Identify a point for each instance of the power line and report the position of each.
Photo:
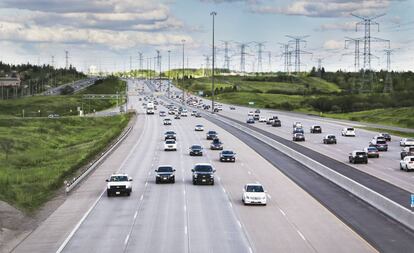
(356, 42)
(298, 40)
(260, 46)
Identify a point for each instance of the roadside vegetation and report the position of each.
(64, 105)
(37, 155)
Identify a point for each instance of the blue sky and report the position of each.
(106, 33)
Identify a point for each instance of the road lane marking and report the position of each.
(239, 223)
(185, 208)
(248, 172)
(184, 191)
(284, 214)
(185, 230)
(250, 250)
(142, 197)
(301, 235)
(126, 239)
(224, 190)
(268, 195)
(146, 183)
(135, 215)
(231, 205)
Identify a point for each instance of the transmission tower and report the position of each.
(297, 40)
(207, 66)
(287, 57)
(367, 22)
(226, 64)
(388, 85)
(356, 52)
(260, 46)
(243, 54)
(140, 59)
(269, 63)
(53, 61)
(67, 59)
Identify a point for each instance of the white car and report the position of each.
(170, 145)
(199, 128)
(250, 113)
(262, 119)
(407, 163)
(184, 113)
(119, 184)
(407, 142)
(254, 194)
(167, 122)
(297, 124)
(348, 131)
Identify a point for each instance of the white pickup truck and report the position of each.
(119, 184)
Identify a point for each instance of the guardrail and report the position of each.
(384, 204)
(75, 181)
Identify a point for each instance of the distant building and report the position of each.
(10, 81)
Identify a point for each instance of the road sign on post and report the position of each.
(251, 103)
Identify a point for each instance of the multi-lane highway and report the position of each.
(182, 217)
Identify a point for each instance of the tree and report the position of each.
(6, 145)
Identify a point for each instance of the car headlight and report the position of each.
(157, 175)
(195, 175)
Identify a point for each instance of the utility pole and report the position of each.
(169, 70)
(183, 41)
(297, 40)
(213, 14)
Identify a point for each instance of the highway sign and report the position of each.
(251, 103)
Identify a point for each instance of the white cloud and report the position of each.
(333, 44)
(344, 26)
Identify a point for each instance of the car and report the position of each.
(167, 122)
(276, 123)
(196, 150)
(171, 112)
(227, 156)
(298, 130)
(329, 139)
(170, 145)
(256, 117)
(372, 152)
(379, 143)
(358, 156)
(193, 113)
(53, 115)
(407, 142)
(257, 111)
(177, 116)
(315, 129)
(348, 131)
(232, 108)
(162, 113)
(216, 144)
(297, 124)
(250, 114)
(254, 194)
(165, 174)
(203, 173)
(216, 110)
(407, 151)
(262, 119)
(184, 113)
(199, 128)
(407, 163)
(170, 135)
(270, 121)
(386, 136)
(198, 115)
(118, 184)
(250, 120)
(298, 137)
(211, 135)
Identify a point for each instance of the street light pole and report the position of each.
(169, 69)
(212, 74)
(183, 41)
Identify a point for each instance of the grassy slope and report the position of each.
(63, 105)
(47, 151)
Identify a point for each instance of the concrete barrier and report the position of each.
(387, 206)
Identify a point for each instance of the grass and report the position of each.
(47, 151)
(399, 117)
(63, 105)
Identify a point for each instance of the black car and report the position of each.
(276, 123)
(203, 173)
(216, 110)
(196, 150)
(165, 174)
(257, 111)
(407, 151)
(232, 108)
(198, 115)
(386, 136)
(298, 137)
(227, 156)
(380, 144)
(329, 139)
(216, 144)
(256, 117)
(170, 135)
(250, 121)
(211, 135)
(298, 130)
(177, 116)
(358, 156)
(315, 129)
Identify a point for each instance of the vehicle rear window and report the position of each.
(372, 149)
(118, 178)
(350, 129)
(165, 169)
(412, 159)
(203, 168)
(381, 142)
(170, 142)
(360, 153)
(254, 188)
(196, 147)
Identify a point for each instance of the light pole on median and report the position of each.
(213, 14)
(183, 41)
(169, 69)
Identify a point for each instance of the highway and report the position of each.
(182, 217)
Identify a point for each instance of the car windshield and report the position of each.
(118, 178)
(169, 132)
(316, 127)
(165, 169)
(203, 168)
(227, 152)
(381, 142)
(254, 188)
(360, 153)
(349, 129)
(195, 147)
(199, 126)
(170, 142)
(372, 149)
(331, 136)
(212, 132)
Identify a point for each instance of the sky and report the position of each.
(110, 34)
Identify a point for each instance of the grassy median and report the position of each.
(37, 155)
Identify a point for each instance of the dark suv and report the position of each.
(211, 135)
(276, 123)
(203, 173)
(407, 151)
(315, 129)
(170, 135)
(329, 139)
(358, 156)
(196, 150)
(165, 174)
(216, 144)
(379, 143)
(227, 156)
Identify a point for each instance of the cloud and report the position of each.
(333, 44)
(324, 8)
(345, 26)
